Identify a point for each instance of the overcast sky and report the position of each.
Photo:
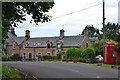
(74, 23)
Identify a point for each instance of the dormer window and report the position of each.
(48, 44)
(58, 44)
(14, 45)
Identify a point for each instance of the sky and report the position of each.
(72, 24)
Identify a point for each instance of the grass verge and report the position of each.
(10, 73)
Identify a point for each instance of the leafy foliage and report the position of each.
(14, 57)
(98, 47)
(14, 12)
(73, 53)
(60, 53)
(112, 31)
(93, 32)
(88, 54)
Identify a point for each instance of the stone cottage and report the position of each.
(29, 47)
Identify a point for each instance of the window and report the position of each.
(14, 45)
(58, 46)
(48, 54)
(24, 56)
(48, 45)
(39, 54)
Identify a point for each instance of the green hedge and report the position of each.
(60, 53)
(14, 57)
(49, 58)
(73, 53)
(89, 55)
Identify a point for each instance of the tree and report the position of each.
(112, 31)
(93, 32)
(14, 12)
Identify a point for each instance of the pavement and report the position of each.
(63, 70)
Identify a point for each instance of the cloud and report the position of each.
(74, 23)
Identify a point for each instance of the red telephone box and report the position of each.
(110, 53)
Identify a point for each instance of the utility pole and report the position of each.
(103, 29)
(104, 21)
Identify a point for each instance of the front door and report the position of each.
(30, 56)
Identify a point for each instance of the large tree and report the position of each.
(112, 31)
(14, 12)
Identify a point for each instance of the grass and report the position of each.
(0, 72)
(95, 64)
(10, 73)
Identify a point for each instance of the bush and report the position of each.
(47, 57)
(89, 55)
(60, 53)
(73, 53)
(14, 57)
(5, 58)
(98, 47)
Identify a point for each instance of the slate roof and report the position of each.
(67, 41)
(13, 38)
(41, 41)
(72, 40)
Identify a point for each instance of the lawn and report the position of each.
(10, 73)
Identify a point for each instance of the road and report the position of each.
(64, 70)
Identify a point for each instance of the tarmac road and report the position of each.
(64, 70)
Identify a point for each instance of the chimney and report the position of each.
(12, 30)
(61, 33)
(27, 34)
(86, 31)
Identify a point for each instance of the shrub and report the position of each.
(47, 57)
(89, 55)
(5, 58)
(73, 53)
(60, 53)
(15, 57)
(98, 47)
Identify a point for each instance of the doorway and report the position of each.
(30, 56)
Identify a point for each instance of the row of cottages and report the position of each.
(30, 48)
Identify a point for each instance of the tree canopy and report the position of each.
(93, 32)
(112, 31)
(14, 12)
